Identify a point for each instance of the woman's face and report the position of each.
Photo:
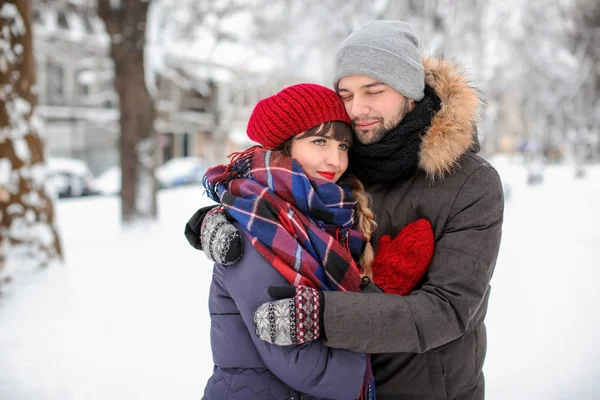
(321, 156)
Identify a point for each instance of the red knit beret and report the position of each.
(292, 111)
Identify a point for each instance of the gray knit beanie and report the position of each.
(384, 50)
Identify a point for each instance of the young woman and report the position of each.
(304, 221)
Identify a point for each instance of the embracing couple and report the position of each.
(354, 247)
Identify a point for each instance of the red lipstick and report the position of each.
(327, 175)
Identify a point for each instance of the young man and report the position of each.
(415, 124)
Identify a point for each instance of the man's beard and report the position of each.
(383, 128)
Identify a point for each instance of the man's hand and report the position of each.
(294, 318)
(210, 230)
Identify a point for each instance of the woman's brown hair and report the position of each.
(365, 221)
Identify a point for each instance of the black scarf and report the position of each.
(396, 155)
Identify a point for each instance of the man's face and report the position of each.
(374, 107)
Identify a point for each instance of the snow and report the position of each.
(77, 30)
(71, 165)
(21, 149)
(238, 54)
(48, 27)
(49, 22)
(240, 137)
(97, 115)
(109, 182)
(220, 55)
(100, 35)
(181, 168)
(153, 60)
(215, 49)
(86, 77)
(12, 14)
(115, 5)
(5, 172)
(542, 331)
(128, 323)
(18, 113)
(126, 317)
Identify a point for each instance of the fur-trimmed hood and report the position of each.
(453, 129)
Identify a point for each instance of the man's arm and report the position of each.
(456, 283)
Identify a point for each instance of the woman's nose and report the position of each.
(333, 157)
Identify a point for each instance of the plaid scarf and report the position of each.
(301, 226)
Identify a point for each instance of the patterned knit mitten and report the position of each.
(221, 241)
(290, 321)
(210, 230)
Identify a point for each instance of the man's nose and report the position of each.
(359, 107)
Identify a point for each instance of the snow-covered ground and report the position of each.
(126, 317)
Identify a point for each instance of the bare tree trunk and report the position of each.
(27, 230)
(587, 19)
(125, 22)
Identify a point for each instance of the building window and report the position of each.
(37, 18)
(186, 145)
(84, 79)
(62, 20)
(87, 23)
(84, 89)
(166, 141)
(56, 83)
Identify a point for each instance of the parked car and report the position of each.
(180, 171)
(109, 182)
(70, 177)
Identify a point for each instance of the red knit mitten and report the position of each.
(400, 264)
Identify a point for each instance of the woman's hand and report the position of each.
(400, 263)
(294, 318)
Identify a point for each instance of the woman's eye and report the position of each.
(319, 142)
(344, 147)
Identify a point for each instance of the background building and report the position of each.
(197, 115)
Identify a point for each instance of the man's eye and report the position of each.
(346, 98)
(375, 93)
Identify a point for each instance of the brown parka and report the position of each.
(431, 344)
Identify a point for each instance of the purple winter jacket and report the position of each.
(246, 368)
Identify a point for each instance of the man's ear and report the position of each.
(411, 104)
